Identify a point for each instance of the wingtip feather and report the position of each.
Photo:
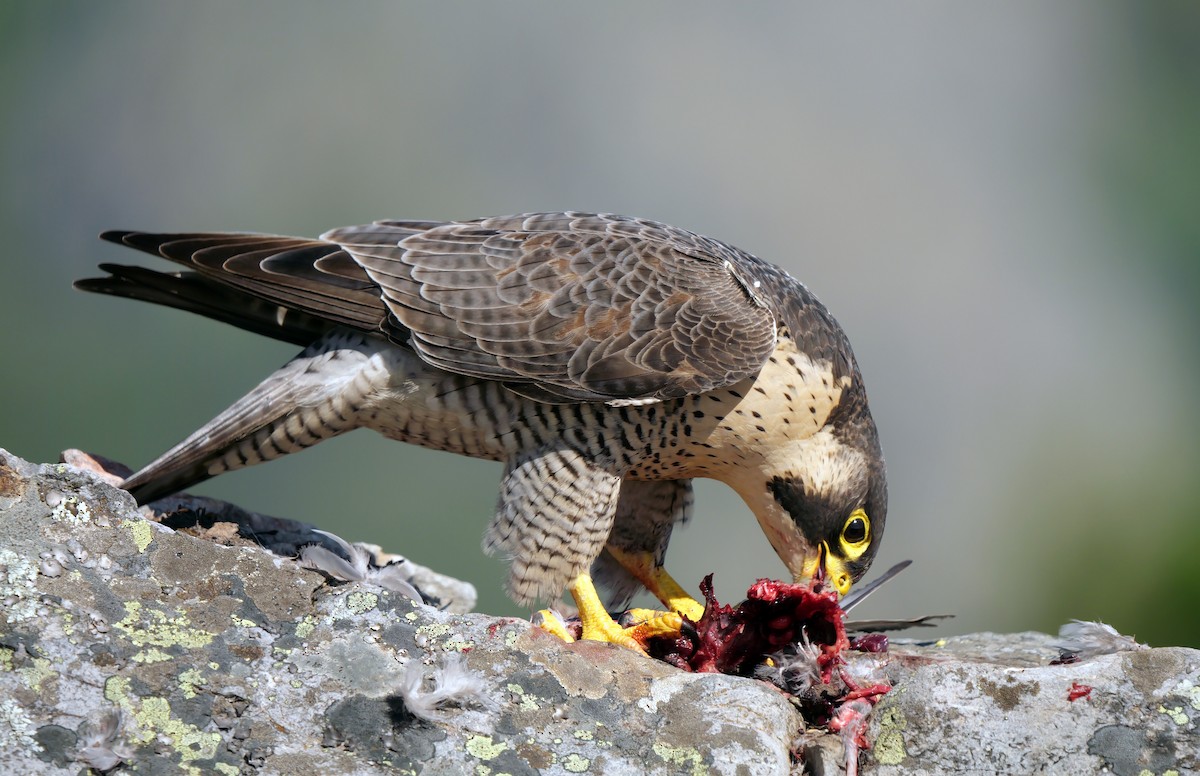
(116, 236)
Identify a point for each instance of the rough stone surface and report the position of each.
(994, 704)
(130, 646)
(233, 660)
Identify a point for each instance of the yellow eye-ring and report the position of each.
(856, 533)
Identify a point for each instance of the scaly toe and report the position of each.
(688, 607)
(605, 629)
(549, 621)
(668, 624)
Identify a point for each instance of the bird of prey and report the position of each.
(606, 361)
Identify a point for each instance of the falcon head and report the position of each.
(827, 506)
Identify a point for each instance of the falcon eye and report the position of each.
(856, 532)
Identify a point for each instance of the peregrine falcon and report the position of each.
(606, 361)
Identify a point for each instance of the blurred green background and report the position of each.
(1000, 202)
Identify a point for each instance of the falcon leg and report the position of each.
(656, 579)
(632, 559)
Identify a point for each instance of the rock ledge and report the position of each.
(127, 646)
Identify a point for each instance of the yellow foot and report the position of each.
(642, 625)
(650, 623)
(598, 624)
(656, 579)
(685, 605)
(549, 621)
(606, 629)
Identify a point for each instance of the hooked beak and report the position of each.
(827, 568)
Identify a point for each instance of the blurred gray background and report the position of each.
(1000, 203)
